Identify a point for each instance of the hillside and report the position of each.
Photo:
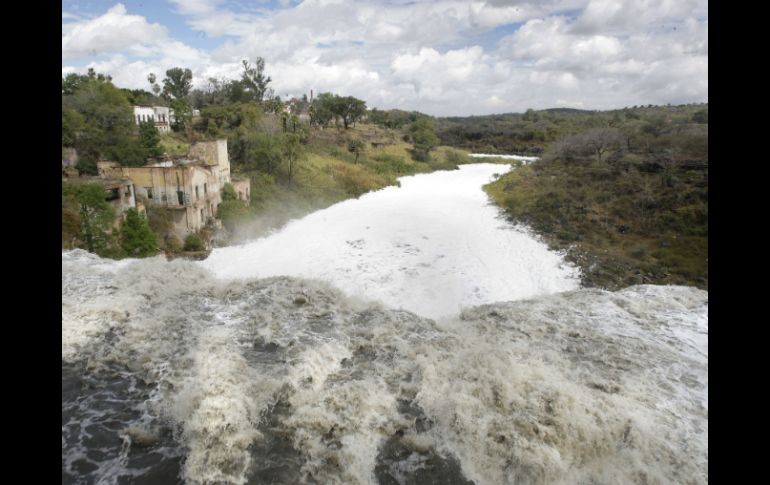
(531, 132)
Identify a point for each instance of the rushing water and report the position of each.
(431, 246)
(171, 374)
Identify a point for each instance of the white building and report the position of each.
(160, 115)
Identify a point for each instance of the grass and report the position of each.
(173, 144)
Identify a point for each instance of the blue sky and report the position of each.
(443, 57)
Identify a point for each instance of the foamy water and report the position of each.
(169, 373)
(211, 373)
(432, 246)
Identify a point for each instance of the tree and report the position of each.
(149, 138)
(127, 150)
(254, 79)
(424, 139)
(177, 83)
(321, 110)
(357, 147)
(347, 108)
(176, 87)
(594, 142)
(266, 153)
(137, 239)
(96, 116)
(73, 82)
(602, 140)
(96, 216)
(72, 126)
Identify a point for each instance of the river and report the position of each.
(409, 336)
(432, 246)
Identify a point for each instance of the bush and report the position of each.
(193, 242)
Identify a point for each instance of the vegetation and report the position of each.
(87, 219)
(627, 200)
(193, 242)
(625, 192)
(423, 135)
(137, 239)
(530, 133)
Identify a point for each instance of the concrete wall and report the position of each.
(243, 189)
(213, 153)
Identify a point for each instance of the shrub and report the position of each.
(193, 242)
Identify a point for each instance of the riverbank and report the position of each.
(621, 225)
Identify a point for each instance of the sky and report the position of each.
(440, 57)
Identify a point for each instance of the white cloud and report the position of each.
(111, 32)
(622, 15)
(417, 55)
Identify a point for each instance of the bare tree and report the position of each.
(596, 142)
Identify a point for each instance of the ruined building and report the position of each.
(190, 187)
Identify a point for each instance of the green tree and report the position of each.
(266, 153)
(95, 117)
(254, 79)
(137, 239)
(149, 138)
(177, 83)
(176, 87)
(347, 108)
(320, 111)
(72, 126)
(424, 138)
(96, 216)
(127, 150)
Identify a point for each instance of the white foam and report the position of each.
(582, 386)
(432, 246)
(505, 157)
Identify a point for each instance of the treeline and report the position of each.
(531, 132)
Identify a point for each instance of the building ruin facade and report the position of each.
(189, 188)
